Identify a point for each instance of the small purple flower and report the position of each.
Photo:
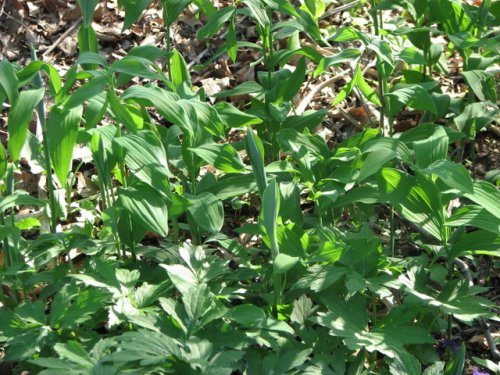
(477, 372)
(452, 344)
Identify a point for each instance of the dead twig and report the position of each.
(63, 36)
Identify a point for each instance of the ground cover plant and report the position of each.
(323, 206)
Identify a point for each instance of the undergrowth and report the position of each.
(228, 239)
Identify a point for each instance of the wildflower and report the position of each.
(477, 372)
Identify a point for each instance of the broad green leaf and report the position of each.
(302, 309)
(268, 219)
(247, 87)
(258, 12)
(477, 242)
(62, 131)
(73, 351)
(233, 117)
(416, 204)
(346, 55)
(92, 58)
(87, 42)
(180, 72)
(201, 306)
(432, 149)
(133, 10)
(127, 114)
(231, 42)
(182, 277)
(207, 211)
(283, 263)
(405, 363)
(414, 96)
(215, 22)
(255, 151)
(172, 9)
(19, 198)
(20, 116)
(482, 84)
(147, 206)
(145, 156)
(8, 81)
(487, 196)
(293, 83)
(135, 66)
(474, 216)
(452, 174)
(247, 315)
(87, 7)
(221, 156)
(90, 89)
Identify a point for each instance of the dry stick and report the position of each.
(62, 37)
(339, 9)
(305, 102)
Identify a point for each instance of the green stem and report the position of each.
(168, 48)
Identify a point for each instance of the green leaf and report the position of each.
(135, 66)
(247, 87)
(221, 156)
(215, 22)
(145, 156)
(235, 118)
(477, 242)
(147, 206)
(180, 72)
(482, 84)
(133, 10)
(207, 211)
(346, 89)
(255, 151)
(487, 196)
(20, 116)
(344, 56)
(435, 369)
(87, 7)
(3, 161)
(62, 131)
(457, 362)
(414, 96)
(432, 149)
(366, 89)
(90, 89)
(8, 81)
(283, 263)
(474, 216)
(19, 198)
(452, 174)
(268, 219)
(73, 351)
(247, 315)
(258, 12)
(405, 363)
(293, 83)
(417, 204)
(172, 9)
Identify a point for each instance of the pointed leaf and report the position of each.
(20, 116)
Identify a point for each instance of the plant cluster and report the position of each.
(362, 258)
